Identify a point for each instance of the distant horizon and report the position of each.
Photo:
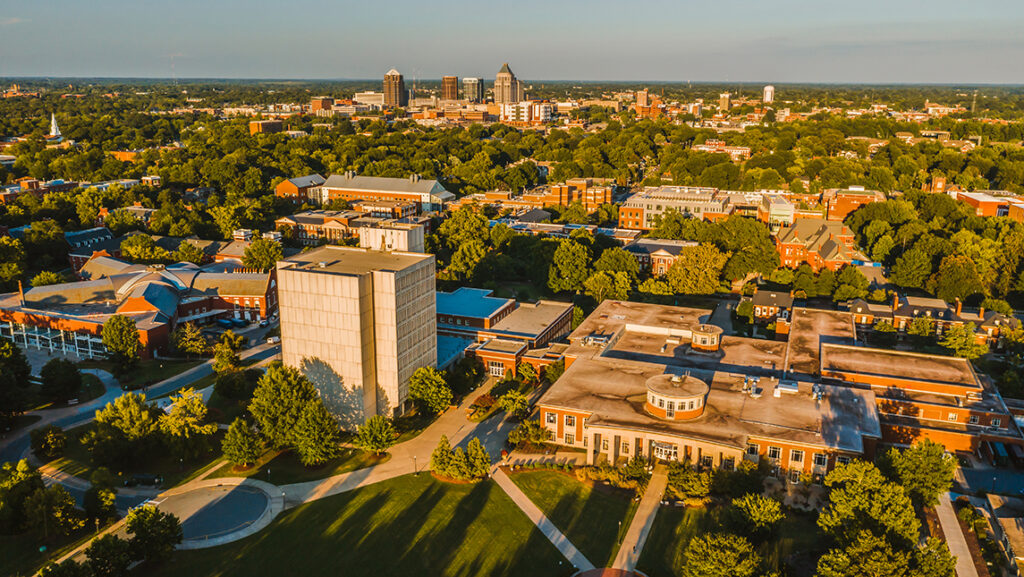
(758, 83)
(871, 42)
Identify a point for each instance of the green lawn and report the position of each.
(146, 371)
(792, 552)
(78, 462)
(400, 527)
(285, 467)
(20, 555)
(588, 516)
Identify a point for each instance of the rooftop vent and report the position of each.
(322, 264)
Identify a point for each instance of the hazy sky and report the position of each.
(936, 41)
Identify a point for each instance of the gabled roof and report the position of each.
(779, 299)
(99, 267)
(89, 236)
(385, 184)
(505, 69)
(307, 181)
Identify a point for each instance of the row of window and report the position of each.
(795, 455)
(552, 418)
(672, 406)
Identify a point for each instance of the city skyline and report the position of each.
(792, 41)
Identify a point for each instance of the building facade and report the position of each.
(507, 88)
(449, 88)
(473, 89)
(395, 94)
(358, 322)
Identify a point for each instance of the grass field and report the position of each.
(793, 551)
(588, 516)
(145, 372)
(404, 526)
(285, 467)
(20, 555)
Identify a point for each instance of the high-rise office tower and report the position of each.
(473, 89)
(395, 94)
(507, 87)
(769, 94)
(643, 98)
(724, 101)
(358, 322)
(450, 88)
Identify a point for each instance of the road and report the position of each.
(14, 448)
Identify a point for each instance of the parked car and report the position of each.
(273, 340)
(264, 324)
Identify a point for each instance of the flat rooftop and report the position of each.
(532, 319)
(810, 329)
(899, 364)
(347, 260)
(470, 302)
(610, 316)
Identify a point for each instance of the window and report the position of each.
(973, 419)
(951, 417)
(996, 422)
(625, 448)
(820, 460)
(842, 459)
(796, 456)
(604, 444)
(774, 452)
(729, 463)
(570, 421)
(691, 405)
(752, 449)
(661, 403)
(671, 406)
(552, 418)
(569, 439)
(707, 461)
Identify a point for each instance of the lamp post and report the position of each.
(415, 468)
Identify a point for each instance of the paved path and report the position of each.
(559, 540)
(955, 538)
(636, 535)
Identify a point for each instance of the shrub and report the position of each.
(48, 442)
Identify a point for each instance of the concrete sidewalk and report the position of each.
(636, 535)
(559, 540)
(955, 538)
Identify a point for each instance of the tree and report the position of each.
(68, 568)
(515, 404)
(961, 341)
(554, 371)
(441, 457)
(745, 310)
(142, 248)
(225, 352)
(121, 338)
(527, 373)
(924, 470)
(759, 514)
(921, 327)
(317, 435)
(570, 267)
(957, 278)
(279, 401)
(123, 431)
(17, 482)
(934, 559)
(46, 277)
(61, 380)
(101, 497)
(529, 432)
(109, 556)
(184, 425)
(688, 481)
(51, 513)
(154, 533)
(262, 254)
(720, 555)
(862, 499)
(998, 305)
(868, 555)
(616, 259)
(377, 435)
(48, 442)
(912, 269)
(462, 226)
(241, 446)
(188, 339)
(14, 374)
(12, 261)
(429, 391)
(607, 285)
(479, 460)
(188, 252)
(466, 259)
(850, 284)
(697, 270)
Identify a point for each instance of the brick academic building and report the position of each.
(660, 382)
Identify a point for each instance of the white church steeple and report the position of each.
(54, 129)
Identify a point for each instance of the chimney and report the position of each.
(981, 313)
(21, 294)
(895, 301)
(959, 307)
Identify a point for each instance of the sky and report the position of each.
(829, 41)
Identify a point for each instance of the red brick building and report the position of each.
(841, 202)
(819, 243)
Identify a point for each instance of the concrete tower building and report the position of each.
(54, 129)
(724, 101)
(358, 322)
(450, 88)
(473, 89)
(769, 94)
(395, 94)
(507, 88)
